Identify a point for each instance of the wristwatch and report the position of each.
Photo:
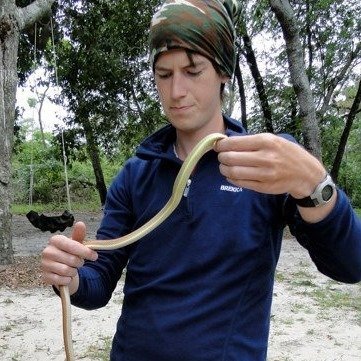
(320, 196)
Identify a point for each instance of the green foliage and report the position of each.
(105, 78)
(329, 32)
(34, 164)
(107, 87)
(39, 178)
(101, 350)
(33, 42)
(91, 205)
(332, 127)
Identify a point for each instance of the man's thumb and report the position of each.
(79, 231)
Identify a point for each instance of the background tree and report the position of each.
(291, 34)
(13, 20)
(292, 96)
(250, 56)
(104, 75)
(355, 109)
(297, 73)
(328, 54)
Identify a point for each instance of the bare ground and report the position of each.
(313, 318)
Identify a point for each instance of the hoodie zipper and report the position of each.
(186, 189)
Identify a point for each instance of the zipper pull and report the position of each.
(186, 189)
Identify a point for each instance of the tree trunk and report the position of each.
(41, 98)
(338, 79)
(12, 21)
(242, 93)
(9, 40)
(345, 134)
(299, 79)
(309, 40)
(252, 62)
(93, 152)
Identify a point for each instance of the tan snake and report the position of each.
(178, 188)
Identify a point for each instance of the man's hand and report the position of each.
(63, 256)
(270, 164)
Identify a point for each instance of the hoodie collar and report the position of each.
(160, 143)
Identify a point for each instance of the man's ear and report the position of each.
(225, 79)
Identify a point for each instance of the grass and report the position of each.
(358, 211)
(329, 297)
(7, 328)
(8, 301)
(299, 278)
(281, 276)
(332, 295)
(101, 350)
(16, 356)
(22, 209)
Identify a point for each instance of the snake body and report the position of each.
(179, 185)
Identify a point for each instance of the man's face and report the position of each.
(189, 91)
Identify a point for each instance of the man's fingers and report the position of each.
(51, 278)
(61, 269)
(63, 256)
(79, 232)
(241, 173)
(71, 247)
(243, 143)
(52, 254)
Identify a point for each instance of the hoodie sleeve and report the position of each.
(334, 243)
(98, 279)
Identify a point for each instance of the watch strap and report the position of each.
(304, 202)
(316, 198)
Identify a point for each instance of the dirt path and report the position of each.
(313, 318)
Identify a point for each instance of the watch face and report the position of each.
(327, 192)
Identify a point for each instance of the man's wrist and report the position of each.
(320, 196)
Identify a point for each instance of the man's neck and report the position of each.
(185, 142)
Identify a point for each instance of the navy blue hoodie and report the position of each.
(199, 287)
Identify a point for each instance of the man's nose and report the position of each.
(178, 89)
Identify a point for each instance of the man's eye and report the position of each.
(163, 75)
(194, 73)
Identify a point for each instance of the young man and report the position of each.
(199, 287)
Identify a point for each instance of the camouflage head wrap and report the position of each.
(206, 27)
